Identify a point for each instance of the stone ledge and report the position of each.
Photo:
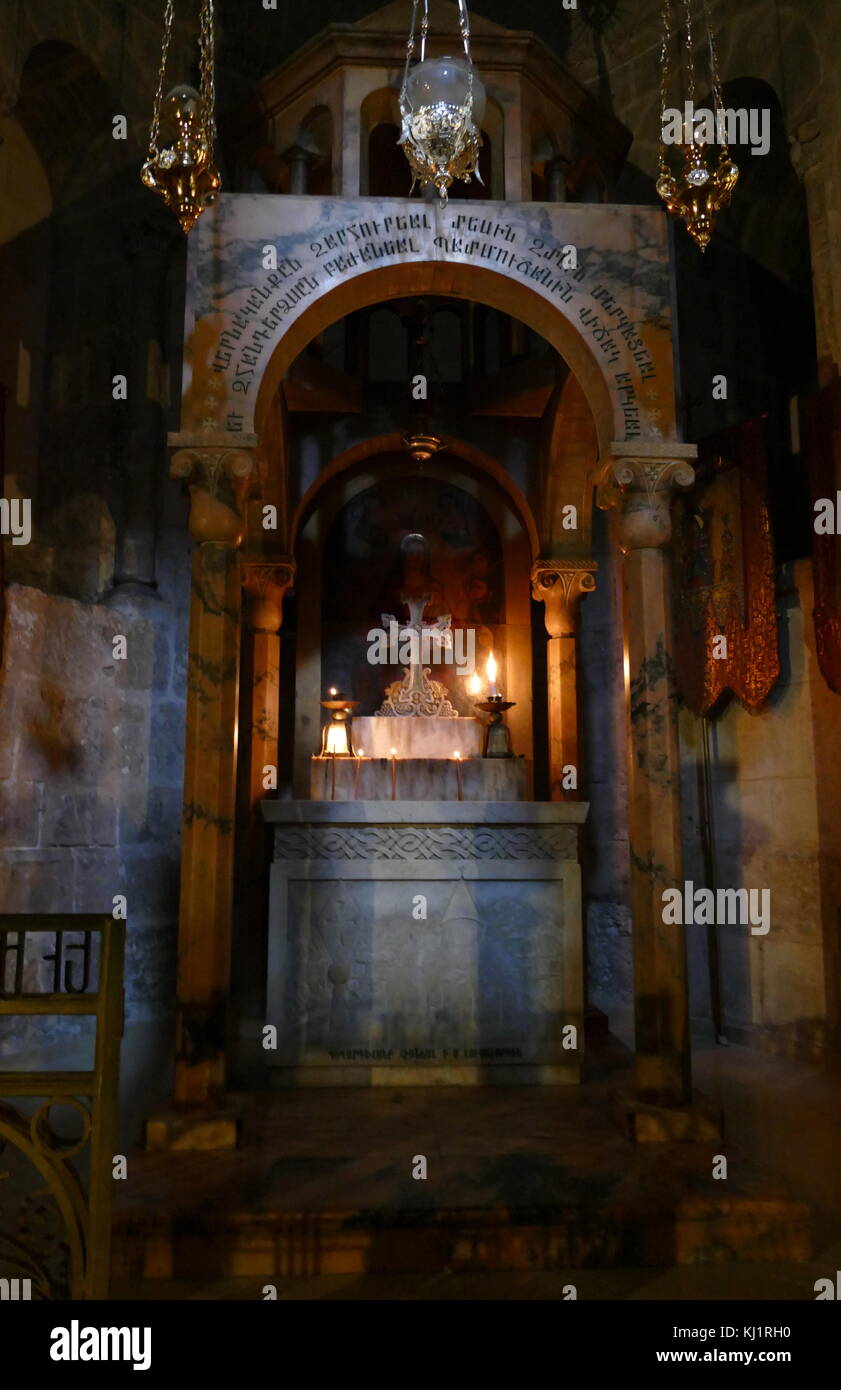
(510, 813)
(194, 1129)
(699, 1122)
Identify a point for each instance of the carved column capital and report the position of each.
(218, 468)
(560, 584)
(265, 583)
(647, 478)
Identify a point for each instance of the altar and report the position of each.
(423, 943)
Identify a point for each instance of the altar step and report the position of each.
(517, 1179)
(292, 1244)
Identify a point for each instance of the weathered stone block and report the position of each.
(20, 810)
(79, 818)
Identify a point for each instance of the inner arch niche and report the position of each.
(351, 571)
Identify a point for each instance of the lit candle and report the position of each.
(491, 670)
(333, 692)
(457, 756)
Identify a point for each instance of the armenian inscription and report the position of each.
(604, 268)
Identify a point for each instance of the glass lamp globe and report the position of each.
(445, 81)
(180, 117)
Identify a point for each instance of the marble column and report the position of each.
(217, 466)
(647, 479)
(560, 585)
(265, 583)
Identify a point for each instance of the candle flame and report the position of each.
(457, 754)
(337, 739)
(333, 691)
(491, 669)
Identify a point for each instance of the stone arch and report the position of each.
(316, 135)
(456, 281)
(350, 475)
(33, 201)
(570, 467)
(468, 453)
(544, 146)
(379, 108)
(66, 108)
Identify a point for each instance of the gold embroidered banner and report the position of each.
(823, 434)
(726, 637)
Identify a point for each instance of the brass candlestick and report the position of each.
(497, 739)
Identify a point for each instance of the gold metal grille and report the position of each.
(58, 1234)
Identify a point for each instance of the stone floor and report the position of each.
(528, 1190)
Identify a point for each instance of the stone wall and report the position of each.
(91, 768)
(776, 788)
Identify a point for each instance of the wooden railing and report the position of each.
(55, 1227)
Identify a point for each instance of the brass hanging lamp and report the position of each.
(180, 165)
(442, 102)
(702, 187)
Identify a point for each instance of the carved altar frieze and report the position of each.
(425, 842)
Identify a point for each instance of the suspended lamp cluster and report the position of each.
(442, 102)
(701, 186)
(180, 164)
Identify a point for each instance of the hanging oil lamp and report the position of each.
(703, 185)
(442, 102)
(180, 164)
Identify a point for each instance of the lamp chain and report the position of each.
(208, 90)
(410, 42)
(718, 95)
(159, 94)
(690, 56)
(665, 72)
(464, 26)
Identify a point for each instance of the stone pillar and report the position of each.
(298, 161)
(217, 466)
(150, 245)
(560, 584)
(265, 583)
(556, 179)
(647, 478)
(815, 154)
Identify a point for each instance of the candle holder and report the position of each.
(336, 740)
(497, 739)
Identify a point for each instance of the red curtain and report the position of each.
(724, 575)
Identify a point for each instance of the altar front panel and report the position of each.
(425, 953)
